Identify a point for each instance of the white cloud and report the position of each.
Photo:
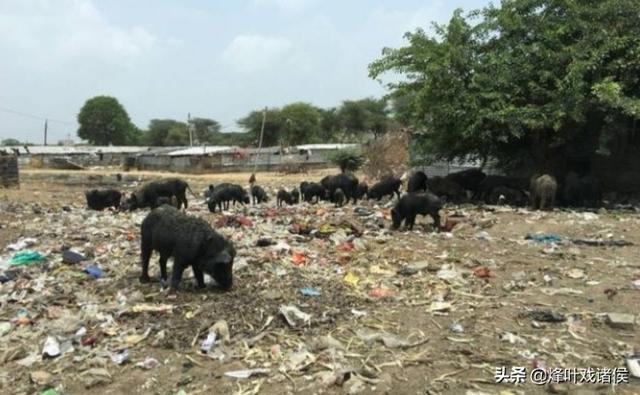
(62, 31)
(248, 53)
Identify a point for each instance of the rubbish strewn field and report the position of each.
(331, 301)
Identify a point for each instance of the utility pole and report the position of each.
(46, 126)
(264, 120)
(189, 129)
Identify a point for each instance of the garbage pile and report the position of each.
(324, 299)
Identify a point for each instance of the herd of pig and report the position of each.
(192, 242)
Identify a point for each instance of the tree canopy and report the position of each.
(104, 121)
(10, 141)
(167, 132)
(364, 116)
(544, 77)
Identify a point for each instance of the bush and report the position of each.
(386, 156)
(347, 159)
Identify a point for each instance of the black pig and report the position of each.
(191, 242)
(386, 187)
(258, 194)
(410, 205)
(417, 182)
(100, 199)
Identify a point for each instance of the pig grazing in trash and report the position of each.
(258, 194)
(99, 199)
(191, 242)
(338, 198)
(412, 204)
(417, 182)
(543, 192)
(386, 187)
(285, 197)
(149, 194)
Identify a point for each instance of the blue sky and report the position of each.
(215, 59)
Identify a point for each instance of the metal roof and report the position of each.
(325, 146)
(203, 150)
(76, 149)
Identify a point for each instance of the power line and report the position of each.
(32, 116)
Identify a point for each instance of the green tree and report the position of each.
(10, 141)
(104, 121)
(158, 132)
(347, 160)
(302, 123)
(544, 77)
(135, 136)
(272, 129)
(330, 126)
(205, 130)
(364, 116)
(177, 135)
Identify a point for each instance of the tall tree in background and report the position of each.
(158, 132)
(10, 141)
(104, 121)
(330, 124)
(544, 77)
(272, 129)
(302, 123)
(364, 116)
(205, 130)
(177, 135)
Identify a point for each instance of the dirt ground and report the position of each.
(391, 312)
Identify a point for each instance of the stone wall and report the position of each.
(9, 173)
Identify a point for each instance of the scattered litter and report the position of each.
(5, 327)
(26, 258)
(633, 364)
(95, 376)
(415, 267)
(72, 257)
(148, 363)
(264, 242)
(41, 378)
(93, 271)
(456, 328)
(440, 306)
(545, 316)
(51, 348)
(298, 361)
(298, 258)
(602, 243)
(544, 238)
(22, 243)
(380, 292)
(208, 343)
(234, 221)
(512, 338)
(294, 316)
(246, 373)
(151, 308)
(309, 291)
(575, 273)
(326, 342)
(482, 272)
(351, 279)
(120, 357)
(620, 320)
